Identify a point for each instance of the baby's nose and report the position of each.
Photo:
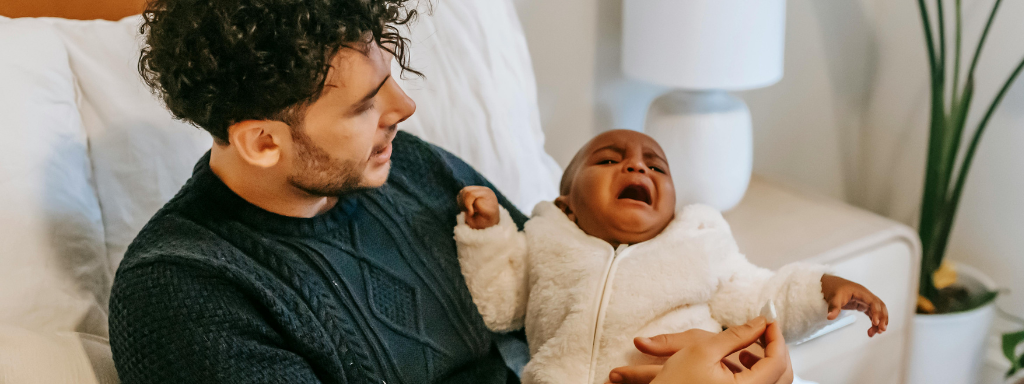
(636, 169)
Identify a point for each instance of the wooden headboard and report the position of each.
(72, 9)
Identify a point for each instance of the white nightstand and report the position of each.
(775, 226)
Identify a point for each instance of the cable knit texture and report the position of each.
(583, 302)
(217, 290)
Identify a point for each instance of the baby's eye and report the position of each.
(609, 161)
(657, 169)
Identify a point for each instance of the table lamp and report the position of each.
(703, 49)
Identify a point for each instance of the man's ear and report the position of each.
(562, 202)
(258, 142)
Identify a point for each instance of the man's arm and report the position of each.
(172, 323)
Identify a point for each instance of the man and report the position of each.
(314, 242)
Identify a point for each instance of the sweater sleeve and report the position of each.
(466, 175)
(795, 288)
(171, 323)
(493, 261)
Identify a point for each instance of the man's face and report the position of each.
(622, 190)
(344, 141)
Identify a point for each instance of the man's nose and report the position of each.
(402, 106)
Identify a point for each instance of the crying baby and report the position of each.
(611, 259)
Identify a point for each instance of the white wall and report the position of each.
(562, 36)
(848, 120)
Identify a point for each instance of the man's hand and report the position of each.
(480, 205)
(699, 357)
(844, 294)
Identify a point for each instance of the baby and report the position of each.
(611, 260)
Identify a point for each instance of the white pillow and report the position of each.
(53, 268)
(479, 97)
(141, 155)
(28, 357)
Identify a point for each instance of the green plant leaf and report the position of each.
(1010, 343)
(965, 166)
(927, 25)
(984, 36)
(1020, 364)
(956, 60)
(957, 299)
(977, 301)
(942, 36)
(930, 201)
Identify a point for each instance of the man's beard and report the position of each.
(317, 173)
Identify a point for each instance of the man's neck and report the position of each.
(264, 188)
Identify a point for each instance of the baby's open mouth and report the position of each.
(636, 192)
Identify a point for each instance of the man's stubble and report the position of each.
(317, 173)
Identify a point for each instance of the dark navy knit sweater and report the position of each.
(215, 289)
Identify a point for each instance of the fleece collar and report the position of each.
(691, 218)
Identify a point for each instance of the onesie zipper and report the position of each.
(617, 255)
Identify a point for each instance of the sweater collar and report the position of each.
(216, 196)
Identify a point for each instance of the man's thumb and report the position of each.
(737, 338)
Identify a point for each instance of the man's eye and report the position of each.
(366, 107)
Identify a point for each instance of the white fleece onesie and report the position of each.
(582, 302)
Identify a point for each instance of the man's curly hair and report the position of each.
(218, 62)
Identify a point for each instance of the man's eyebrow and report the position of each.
(374, 92)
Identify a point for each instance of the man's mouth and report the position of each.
(384, 149)
(638, 192)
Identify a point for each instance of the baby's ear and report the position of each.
(562, 202)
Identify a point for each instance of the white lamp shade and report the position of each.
(704, 44)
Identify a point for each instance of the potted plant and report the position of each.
(956, 304)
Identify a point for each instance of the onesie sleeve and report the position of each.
(744, 288)
(795, 288)
(493, 261)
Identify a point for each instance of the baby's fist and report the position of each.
(844, 294)
(480, 205)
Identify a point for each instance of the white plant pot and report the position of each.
(950, 348)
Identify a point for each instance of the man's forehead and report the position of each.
(355, 62)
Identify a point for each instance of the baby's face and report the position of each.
(622, 189)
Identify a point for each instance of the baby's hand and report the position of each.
(844, 294)
(480, 205)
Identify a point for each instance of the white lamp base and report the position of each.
(709, 143)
